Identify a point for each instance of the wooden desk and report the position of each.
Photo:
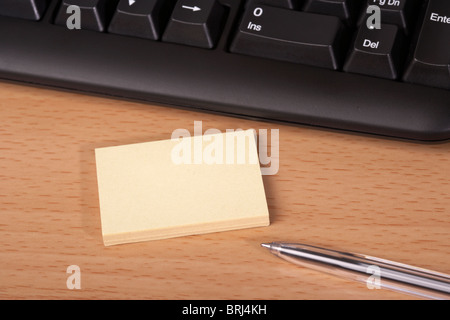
(364, 194)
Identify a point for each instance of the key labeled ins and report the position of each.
(284, 34)
(253, 26)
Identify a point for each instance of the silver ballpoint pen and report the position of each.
(375, 272)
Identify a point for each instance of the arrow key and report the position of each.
(141, 18)
(195, 23)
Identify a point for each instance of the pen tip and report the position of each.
(265, 245)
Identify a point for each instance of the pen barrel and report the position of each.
(374, 272)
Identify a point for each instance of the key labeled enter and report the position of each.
(430, 61)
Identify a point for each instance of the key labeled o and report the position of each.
(258, 12)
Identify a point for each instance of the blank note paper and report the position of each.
(178, 187)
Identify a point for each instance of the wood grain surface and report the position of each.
(358, 193)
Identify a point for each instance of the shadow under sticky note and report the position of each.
(178, 187)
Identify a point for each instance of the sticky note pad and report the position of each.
(177, 187)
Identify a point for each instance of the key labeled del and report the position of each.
(371, 44)
(377, 52)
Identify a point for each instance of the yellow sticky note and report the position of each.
(178, 187)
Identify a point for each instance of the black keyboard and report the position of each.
(324, 63)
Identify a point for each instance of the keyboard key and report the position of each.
(141, 18)
(346, 10)
(195, 23)
(288, 4)
(292, 36)
(402, 13)
(431, 59)
(377, 52)
(95, 14)
(24, 9)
